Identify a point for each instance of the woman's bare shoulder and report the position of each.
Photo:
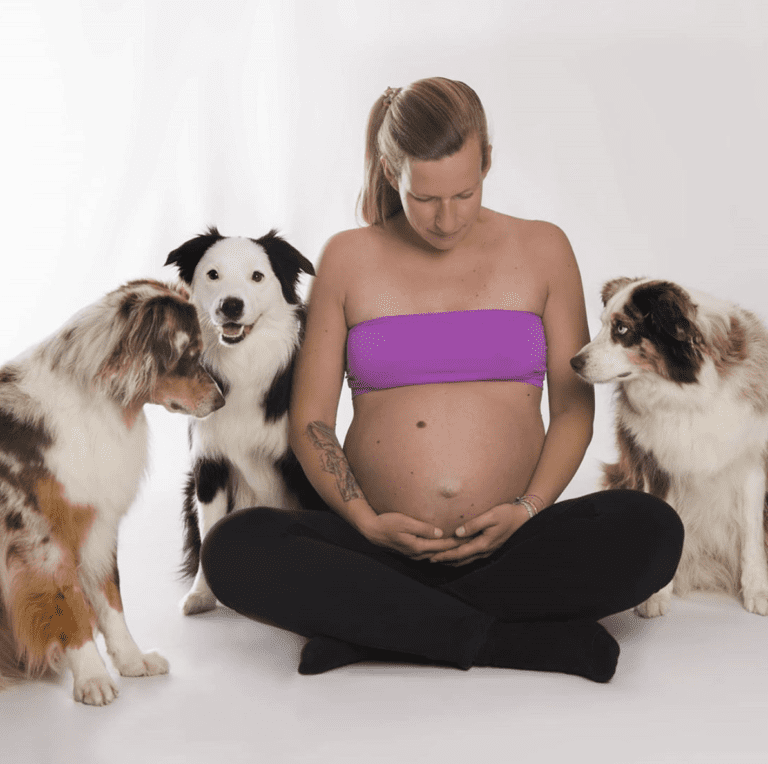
(530, 230)
(347, 248)
(544, 241)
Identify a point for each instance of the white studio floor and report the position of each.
(690, 687)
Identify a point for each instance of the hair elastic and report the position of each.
(390, 94)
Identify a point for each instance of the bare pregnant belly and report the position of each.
(445, 453)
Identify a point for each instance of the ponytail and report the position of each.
(378, 200)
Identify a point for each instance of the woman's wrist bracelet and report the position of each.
(531, 497)
(527, 504)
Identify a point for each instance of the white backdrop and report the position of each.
(128, 126)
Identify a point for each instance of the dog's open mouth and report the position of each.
(232, 333)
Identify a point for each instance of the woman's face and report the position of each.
(442, 198)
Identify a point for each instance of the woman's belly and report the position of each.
(445, 453)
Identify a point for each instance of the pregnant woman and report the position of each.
(444, 543)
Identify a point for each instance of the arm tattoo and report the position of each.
(333, 460)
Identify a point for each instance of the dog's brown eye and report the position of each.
(212, 275)
(257, 276)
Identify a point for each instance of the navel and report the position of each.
(449, 489)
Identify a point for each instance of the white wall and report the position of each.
(127, 126)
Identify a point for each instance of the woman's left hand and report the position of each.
(484, 534)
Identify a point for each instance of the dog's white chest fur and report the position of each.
(699, 429)
(94, 454)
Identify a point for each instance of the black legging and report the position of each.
(312, 573)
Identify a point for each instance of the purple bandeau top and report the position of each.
(454, 346)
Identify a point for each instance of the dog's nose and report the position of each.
(577, 363)
(232, 308)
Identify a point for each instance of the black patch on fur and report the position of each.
(664, 309)
(9, 375)
(277, 398)
(206, 478)
(210, 477)
(287, 262)
(24, 440)
(188, 255)
(14, 521)
(298, 483)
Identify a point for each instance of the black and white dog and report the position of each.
(252, 323)
(691, 425)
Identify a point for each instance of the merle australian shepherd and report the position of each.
(692, 426)
(73, 449)
(252, 323)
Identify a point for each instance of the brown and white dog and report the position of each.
(692, 426)
(73, 449)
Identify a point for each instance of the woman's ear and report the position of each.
(388, 174)
(487, 160)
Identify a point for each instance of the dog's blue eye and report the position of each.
(257, 276)
(212, 275)
(621, 329)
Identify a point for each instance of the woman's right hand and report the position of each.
(411, 538)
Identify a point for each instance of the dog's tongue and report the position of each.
(231, 330)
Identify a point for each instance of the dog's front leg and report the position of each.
(754, 566)
(67, 613)
(211, 499)
(657, 604)
(125, 653)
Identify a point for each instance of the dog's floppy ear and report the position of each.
(154, 334)
(188, 255)
(286, 262)
(670, 309)
(610, 288)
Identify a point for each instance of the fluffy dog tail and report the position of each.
(192, 542)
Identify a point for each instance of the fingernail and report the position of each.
(438, 532)
(460, 531)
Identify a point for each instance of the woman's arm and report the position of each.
(317, 384)
(571, 401)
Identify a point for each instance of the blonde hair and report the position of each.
(430, 119)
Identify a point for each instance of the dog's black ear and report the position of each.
(287, 262)
(670, 314)
(610, 288)
(669, 308)
(188, 255)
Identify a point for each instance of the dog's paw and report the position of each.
(654, 606)
(148, 664)
(756, 602)
(96, 691)
(198, 602)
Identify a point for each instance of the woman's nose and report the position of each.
(446, 216)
